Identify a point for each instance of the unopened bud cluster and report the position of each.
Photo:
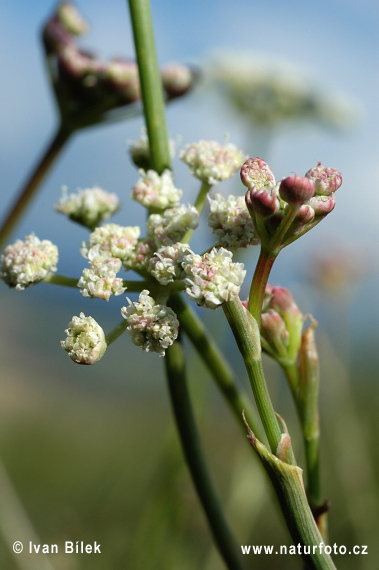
(85, 342)
(86, 87)
(296, 203)
(281, 325)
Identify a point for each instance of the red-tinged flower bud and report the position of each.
(263, 202)
(282, 323)
(178, 79)
(257, 174)
(305, 214)
(323, 205)
(122, 75)
(296, 189)
(326, 179)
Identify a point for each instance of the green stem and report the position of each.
(116, 332)
(151, 84)
(186, 424)
(246, 333)
(29, 189)
(219, 368)
(258, 285)
(199, 205)
(62, 280)
(288, 484)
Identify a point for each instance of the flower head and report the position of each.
(111, 240)
(139, 151)
(165, 265)
(211, 162)
(171, 226)
(100, 279)
(231, 222)
(153, 327)
(27, 262)
(213, 278)
(178, 79)
(88, 207)
(156, 192)
(327, 180)
(85, 342)
(256, 173)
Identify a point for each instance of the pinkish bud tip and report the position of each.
(296, 189)
(326, 179)
(256, 173)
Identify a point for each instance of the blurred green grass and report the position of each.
(93, 456)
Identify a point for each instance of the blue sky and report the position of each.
(334, 41)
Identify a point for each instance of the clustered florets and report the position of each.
(111, 240)
(213, 278)
(100, 279)
(171, 226)
(156, 192)
(211, 162)
(153, 327)
(230, 220)
(85, 342)
(165, 265)
(88, 207)
(27, 262)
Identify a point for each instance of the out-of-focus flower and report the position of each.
(85, 342)
(270, 92)
(153, 327)
(213, 278)
(178, 79)
(89, 207)
(156, 192)
(25, 263)
(171, 226)
(100, 279)
(211, 162)
(230, 221)
(140, 152)
(111, 240)
(165, 265)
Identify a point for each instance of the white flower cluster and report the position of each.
(138, 259)
(171, 226)
(85, 342)
(88, 207)
(156, 192)
(26, 262)
(165, 264)
(231, 222)
(213, 278)
(111, 240)
(153, 327)
(211, 162)
(100, 279)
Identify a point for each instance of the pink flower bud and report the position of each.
(263, 202)
(326, 179)
(256, 173)
(305, 214)
(323, 205)
(296, 189)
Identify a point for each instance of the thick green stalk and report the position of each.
(258, 285)
(29, 189)
(116, 332)
(214, 360)
(246, 333)
(288, 483)
(185, 421)
(151, 84)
